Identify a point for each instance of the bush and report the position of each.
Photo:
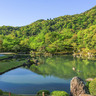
(1, 92)
(46, 92)
(59, 93)
(87, 86)
(92, 87)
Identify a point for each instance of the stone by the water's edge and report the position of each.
(89, 79)
(77, 87)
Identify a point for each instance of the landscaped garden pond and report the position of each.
(53, 73)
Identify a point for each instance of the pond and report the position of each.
(54, 73)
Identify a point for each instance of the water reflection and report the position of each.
(66, 67)
(24, 81)
(54, 73)
(24, 76)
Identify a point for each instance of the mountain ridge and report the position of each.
(60, 34)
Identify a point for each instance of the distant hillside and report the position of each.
(60, 34)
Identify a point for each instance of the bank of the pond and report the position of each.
(91, 54)
(7, 94)
(7, 66)
(5, 57)
(7, 53)
(79, 54)
(10, 62)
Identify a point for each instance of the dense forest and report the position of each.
(66, 34)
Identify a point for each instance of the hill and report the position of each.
(63, 34)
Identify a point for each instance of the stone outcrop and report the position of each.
(77, 87)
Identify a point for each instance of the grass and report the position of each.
(7, 94)
(7, 53)
(8, 64)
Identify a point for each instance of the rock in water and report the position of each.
(77, 87)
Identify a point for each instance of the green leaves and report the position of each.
(69, 32)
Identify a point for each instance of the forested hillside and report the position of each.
(63, 34)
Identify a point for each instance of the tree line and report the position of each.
(62, 34)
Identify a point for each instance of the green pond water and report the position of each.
(54, 73)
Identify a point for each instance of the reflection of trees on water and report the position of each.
(62, 67)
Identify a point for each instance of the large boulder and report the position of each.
(77, 87)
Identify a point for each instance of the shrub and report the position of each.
(59, 93)
(92, 87)
(46, 92)
(1, 92)
(87, 86)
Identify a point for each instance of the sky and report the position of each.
(24, 12)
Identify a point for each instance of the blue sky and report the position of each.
(24, 12)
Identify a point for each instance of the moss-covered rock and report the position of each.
(59, 93)
(92, 87)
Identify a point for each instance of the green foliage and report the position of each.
(87, 38)
(46, 92)
(59, 93)
(69, 32)
(1, 92)
(87, 86)
(13, 63)
(62, 66)
(92, 87)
